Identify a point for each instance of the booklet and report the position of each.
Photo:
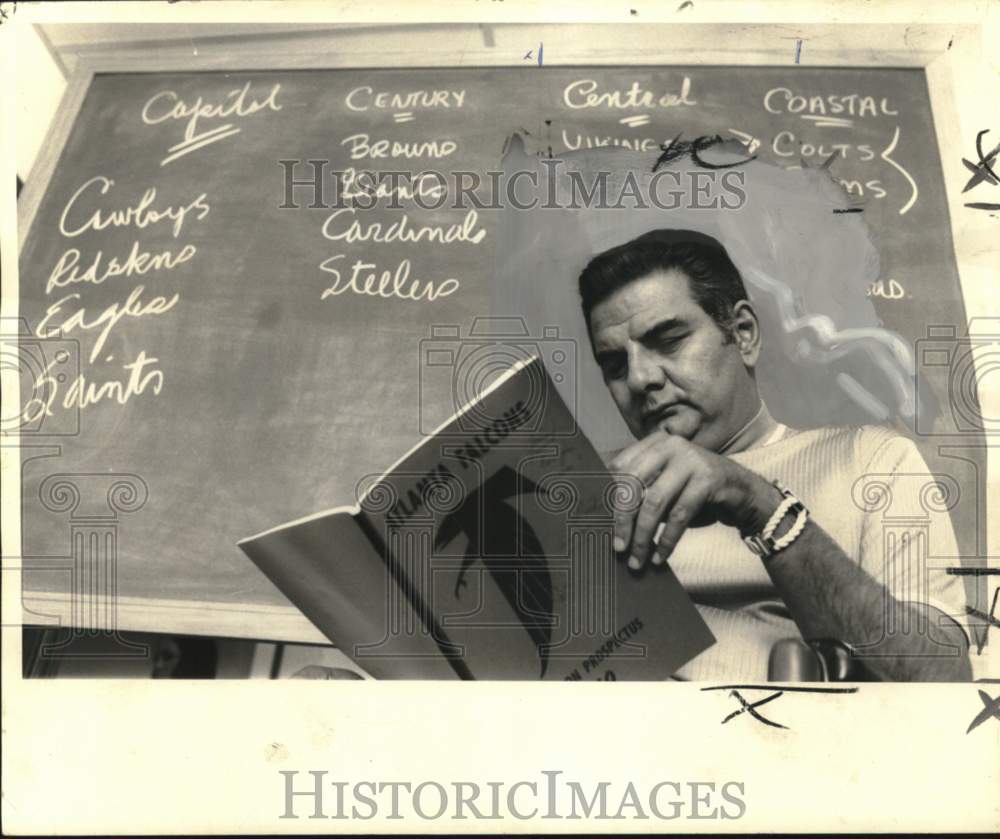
(485, 552)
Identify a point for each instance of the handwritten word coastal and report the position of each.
(584, 94)
(366, 97)
(781, 100)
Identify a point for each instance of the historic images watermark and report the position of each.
(313, 795)
(313, 184)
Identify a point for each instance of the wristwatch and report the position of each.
(764, 544)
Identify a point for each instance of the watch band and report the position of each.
(764, 544)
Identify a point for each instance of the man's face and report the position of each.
(668, 364)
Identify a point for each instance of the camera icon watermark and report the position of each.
(45, 368)
(956, 366)
(460, 368)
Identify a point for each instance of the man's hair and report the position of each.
(715, 283)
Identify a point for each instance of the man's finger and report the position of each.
(685, 508)
(626, 499)
(660, 497)
(644, 459)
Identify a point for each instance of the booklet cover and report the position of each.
(485, 552)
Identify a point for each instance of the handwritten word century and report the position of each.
(365, 98)
(167, 105)
(584, 94)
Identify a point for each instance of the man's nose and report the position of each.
(644, 373)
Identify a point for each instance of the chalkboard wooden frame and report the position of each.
(951, 56)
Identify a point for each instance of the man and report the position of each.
(677, 341)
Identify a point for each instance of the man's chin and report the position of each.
(675, 426)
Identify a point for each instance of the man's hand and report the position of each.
(686, 486)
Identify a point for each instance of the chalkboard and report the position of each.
(199, 370)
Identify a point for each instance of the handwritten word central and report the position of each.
(140, 214)
(400, 231)
(364, 97)
(581, 94)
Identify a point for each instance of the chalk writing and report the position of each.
(366, 185)
(902, 170)
(82, 393)
(886, 289)
(361, 146)
(107, 320)
(821, 109)
(785, 144)
(402, 231)
(387, 284)
(67, 268)
(582, 141)
(167, 105)
(365, 98)
(582, 94)
(141, 214)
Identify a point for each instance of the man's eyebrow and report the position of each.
(662, 326)
(607, 355)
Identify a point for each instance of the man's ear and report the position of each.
(745, 329)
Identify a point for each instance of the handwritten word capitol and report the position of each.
(167, 105)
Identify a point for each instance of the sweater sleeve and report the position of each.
(907, 538)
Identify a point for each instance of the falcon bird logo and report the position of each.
(498, 534)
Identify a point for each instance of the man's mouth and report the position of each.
(657, 415)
